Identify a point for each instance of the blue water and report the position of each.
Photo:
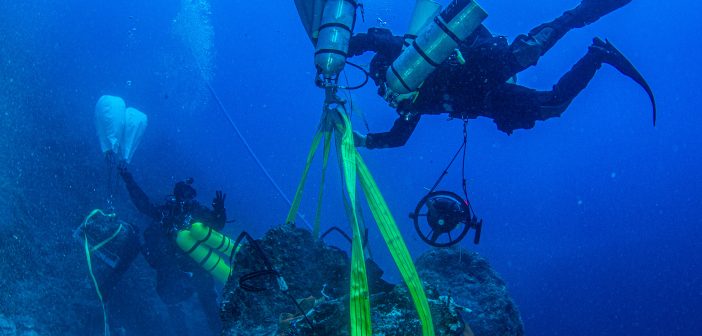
(593, 219)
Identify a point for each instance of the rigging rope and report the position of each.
(252, 153)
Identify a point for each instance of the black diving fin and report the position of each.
(616, 59)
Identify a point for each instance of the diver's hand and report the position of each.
(358, 44)
(359, 140)
(218, 201)
(374, 40)
(122, 170)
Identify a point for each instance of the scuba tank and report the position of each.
(424, 12)
(335, 30)
(208, 248)
(434, 43)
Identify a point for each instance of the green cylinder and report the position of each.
(212, 238)
(203, 255)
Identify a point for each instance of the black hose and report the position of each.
(337, 229)
(253, 243)
(365, 80)
(244, 279)
(269, 271)
(345, 235)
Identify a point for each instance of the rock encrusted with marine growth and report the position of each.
(472, 283)
(460, 287)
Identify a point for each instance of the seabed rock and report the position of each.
(18, 326)
(7, 327)
(460, 287)
(472, 283)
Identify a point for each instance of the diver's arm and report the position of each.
(138, 196)
(397, 136)
(378, 40)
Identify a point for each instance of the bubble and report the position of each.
(192, 24)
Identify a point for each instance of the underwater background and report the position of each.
(594, 219)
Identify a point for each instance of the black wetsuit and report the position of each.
(481, 86)
(178, 276)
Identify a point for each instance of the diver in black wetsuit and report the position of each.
(177, 275)
(483, 85)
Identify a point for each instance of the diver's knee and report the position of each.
(526, 51)
(551, 105)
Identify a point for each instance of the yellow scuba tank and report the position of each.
(212, 238)
(434, 43)
(338, 19)
(202, 244)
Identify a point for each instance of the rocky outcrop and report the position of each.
(460, 286)
(472, 283)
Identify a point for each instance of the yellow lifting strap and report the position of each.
(335, 120)
(310, 156)
(320, 192)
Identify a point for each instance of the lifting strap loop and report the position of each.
(396, 245)
(359, 296)
(295, 205)
(320, 192)
(353, 170)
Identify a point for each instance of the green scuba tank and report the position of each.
(204, 245)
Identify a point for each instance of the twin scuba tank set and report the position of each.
(433, 36)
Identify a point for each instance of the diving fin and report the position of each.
(589, 11)
(615, 58)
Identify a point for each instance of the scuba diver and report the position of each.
(484, 86)
(177, 275)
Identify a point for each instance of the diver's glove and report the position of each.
(358, 44)
(375, 40)
(359, 140)
(218, 201)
